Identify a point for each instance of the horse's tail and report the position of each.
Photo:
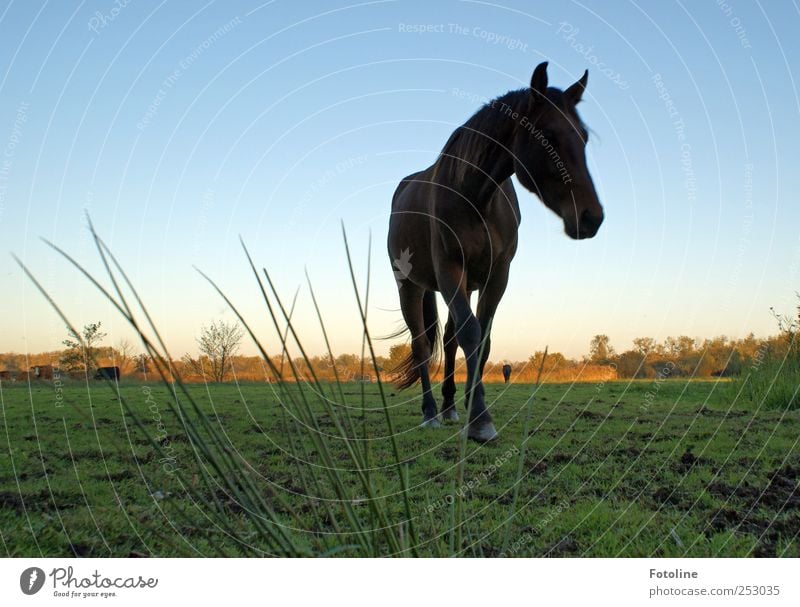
(407, 372)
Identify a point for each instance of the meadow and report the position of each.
(621, 468)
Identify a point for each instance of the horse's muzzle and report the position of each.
(587, 226)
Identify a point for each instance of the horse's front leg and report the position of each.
(488, 300)
(468, 334)
(448, 413)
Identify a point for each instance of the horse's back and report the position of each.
(423, 212)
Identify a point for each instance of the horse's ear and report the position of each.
(575, 92)
(539, 79)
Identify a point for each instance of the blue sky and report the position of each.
(180, 126)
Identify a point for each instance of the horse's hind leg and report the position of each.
(411, 305)
(449, 413)
(468, 333)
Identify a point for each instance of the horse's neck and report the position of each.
(477, 158)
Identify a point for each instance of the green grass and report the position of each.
(615, 469)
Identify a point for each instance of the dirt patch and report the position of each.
(539, 467)
(631, 452)
(114, 476)
(563, 547)
(670, 497)
(11, 501)
(746, 492)
(768, 531)
(40, 500)
(688, 461)
(782, 491)
(489, 551)
(81, 550)
(448, 452)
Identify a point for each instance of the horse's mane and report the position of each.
(483, 132)
(491, 128)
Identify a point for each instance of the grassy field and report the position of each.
(613, 469)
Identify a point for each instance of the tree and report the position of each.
(398, 353)
(601, 350)
(124, 356)
(644, 345)
(630, 364)
(82, 351)
(682, 346)
(555, 360)
(142, 364)
(10, 363)
(219, 342)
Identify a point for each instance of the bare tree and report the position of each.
(124, 356)
(218, 343)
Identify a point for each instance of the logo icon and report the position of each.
(31, 580)
(403, 266)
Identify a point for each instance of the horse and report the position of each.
(453, 229)
(506, 373)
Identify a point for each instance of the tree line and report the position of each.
(218, 359)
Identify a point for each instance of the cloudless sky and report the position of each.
(180, 126)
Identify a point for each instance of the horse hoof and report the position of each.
(482, 432)
(450, 415)
(431, 423)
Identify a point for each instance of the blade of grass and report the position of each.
(522, 450)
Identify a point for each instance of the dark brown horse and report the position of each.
(453, 229)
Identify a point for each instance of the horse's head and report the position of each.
(550, 158)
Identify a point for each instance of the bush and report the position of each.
(772, 380)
